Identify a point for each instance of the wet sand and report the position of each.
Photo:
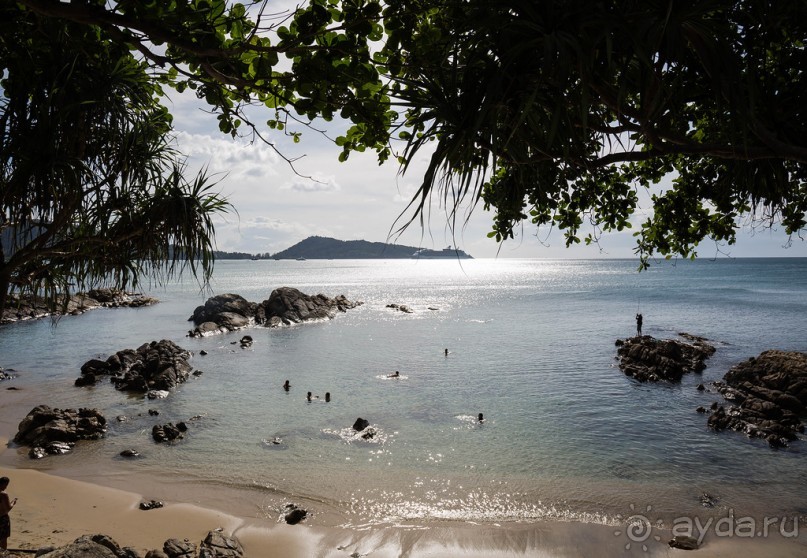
(53, 510)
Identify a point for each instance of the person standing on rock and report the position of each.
(5, 507)
(638, 325)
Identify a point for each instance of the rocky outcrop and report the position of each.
(28, 308)
(769, 396)
(403, 308)
(155, 366)
(651, 360)
(55, 431)
(215, 545)
(285, 306)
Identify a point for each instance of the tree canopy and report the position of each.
(92, 191)
(557, 113)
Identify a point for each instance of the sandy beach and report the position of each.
(53, 511)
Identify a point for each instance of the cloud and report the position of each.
(316, 183)
(224, 155)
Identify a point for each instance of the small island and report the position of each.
(323, 248)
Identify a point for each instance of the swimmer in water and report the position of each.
(481, 418)
(286, 385)
(396, 375)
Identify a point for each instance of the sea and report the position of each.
(531, 345)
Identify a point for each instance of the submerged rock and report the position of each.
(652, 360)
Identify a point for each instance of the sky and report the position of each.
(360, 200)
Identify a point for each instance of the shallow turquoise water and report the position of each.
(531, 346)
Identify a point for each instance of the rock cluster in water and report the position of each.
(152, 367)
(648, 359)
(769, 393)
(215, 545)
(28, 308)
(55, 431)
(285, 306)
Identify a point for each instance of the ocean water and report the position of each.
(531, 345)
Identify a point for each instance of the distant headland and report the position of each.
(323, 248)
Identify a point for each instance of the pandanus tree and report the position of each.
(92, 191)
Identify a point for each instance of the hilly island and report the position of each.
(323, 248)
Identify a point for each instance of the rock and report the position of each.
(203, 352)
(37, 452)
(92, 546)
(129, 453)
(151, 505)
(402, 308)
(176, 548)
(647, 359)
(246, 341)
(707, 500)
(224, 303)
(293, 306)
(771, 395)
(159, 365)
(684, 543)
(360, 424)
(58, 448)
(156, 554)
(27, 307)
(43, 426)
(166, 433)
(284, 306)
(218, 545)
(294, 514)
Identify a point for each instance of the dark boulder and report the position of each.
(159, 365)
(683, 542)
(218, 545)
(647, 359)
(43, 426)
(91, 546)
(770, 396)
(285, 306)
(360, 424)
(176, 548)
(166, 432)
(294, 514)
(293, 306)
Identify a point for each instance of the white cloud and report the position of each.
(316, 183)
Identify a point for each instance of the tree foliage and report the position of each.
(92, 191)
(558, 112)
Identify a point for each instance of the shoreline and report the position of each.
(54, 510)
